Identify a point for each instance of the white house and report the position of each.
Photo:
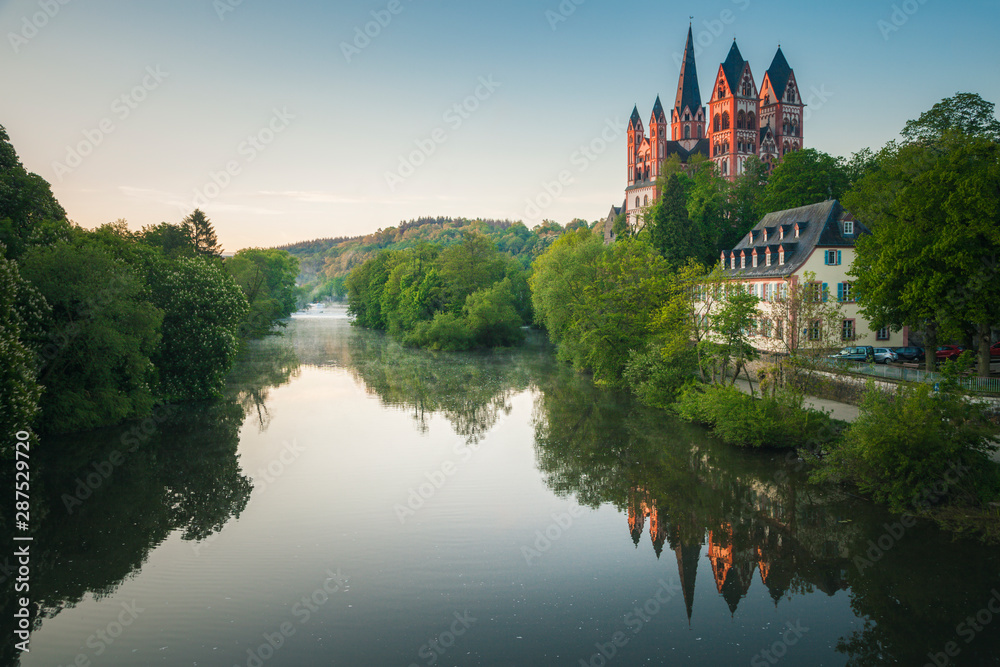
(785, 246)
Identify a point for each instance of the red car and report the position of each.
(995, 349)
(949, 352)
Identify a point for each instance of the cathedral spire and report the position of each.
(688, 94)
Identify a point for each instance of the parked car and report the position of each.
(858, 353)
(995, 349)
(949, 352)
(884, 355)
(910, 353)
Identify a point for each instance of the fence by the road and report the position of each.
(989, 385)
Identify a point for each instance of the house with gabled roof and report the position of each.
(812, 245)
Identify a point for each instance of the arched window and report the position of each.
(699, 131)
(741, 120)
(722, 91)
(717, 123)
(725, 120)
(784, 148)
(637, 202)
(784, 127)
(795, 129)
(795, 146)
(751, 121)
(661, 150)
(687, 131)
(645, 200)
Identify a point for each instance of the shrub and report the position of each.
(446, 331)
(657, 380)
(778, 421)
(907, 448)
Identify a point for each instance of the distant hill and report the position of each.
(325, 263)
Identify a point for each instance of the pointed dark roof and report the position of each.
(687, 568)
(688, 93)
(635, 120)
(733, 66)
(779, 73)
(658, 113)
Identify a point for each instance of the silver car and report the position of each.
(884, 355)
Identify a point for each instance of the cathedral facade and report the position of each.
(740, 121)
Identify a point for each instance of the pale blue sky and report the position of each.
(328, 131)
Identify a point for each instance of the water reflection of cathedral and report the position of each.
(775, 539)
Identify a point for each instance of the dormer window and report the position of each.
(767, 257)
(732, 261)
(797, 230)
(781, 233)
(754, 258)
(765, 235)
(751, 238)
(781, 256)
(848, 228)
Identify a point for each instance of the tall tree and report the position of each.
(805, 177)
(747, 202)
(965, 113)
(202, 234)
(671, 231)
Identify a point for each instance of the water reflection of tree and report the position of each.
(183, 477)
(471, 390)
(690, 494)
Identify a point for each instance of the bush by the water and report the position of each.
(918, 447)
(778, 421)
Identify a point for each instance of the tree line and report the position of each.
(99, 326)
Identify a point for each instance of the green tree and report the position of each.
(173, 240)
(100, 336)
(29, 212)
(201, 233)
(491, 316)
(203, 310)
(805, 177)
(747, 203)
(965, 113)
(671, 230)
(931, 261)
(267, 278)
(709, 204)
(471, 265)
(22, 310)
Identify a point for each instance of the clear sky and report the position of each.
(258, 113)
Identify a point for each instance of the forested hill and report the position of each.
(325, 263)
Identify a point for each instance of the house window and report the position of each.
(848, 228)
(754, 256)
(814, 329)
(833, 257)
(779, 329)
(816, 292)
(766, 327)
(765, 235)
(732, 262)
(767, 257)
(847, 330)
(743, 261)
(882, 334)
(768, 292)
(781, 256)
(845, 292)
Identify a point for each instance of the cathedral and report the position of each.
(741, 120)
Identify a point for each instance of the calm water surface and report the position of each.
(355, 503)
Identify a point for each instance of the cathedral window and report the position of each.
(751, 121)
(699, 131)
(687, 131)
(784, 127)
(645, 200)
(637, 202)
(717, 123)
(725, 120)
(741, 121)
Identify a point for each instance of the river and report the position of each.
(353, 502)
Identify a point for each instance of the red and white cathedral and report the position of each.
(741, 121)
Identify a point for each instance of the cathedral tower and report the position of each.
(734, 112)
(781, 111)
(688, 116)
